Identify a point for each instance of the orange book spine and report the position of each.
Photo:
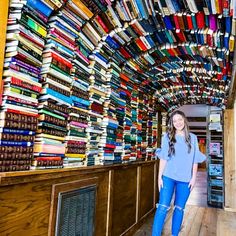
(124, 77)
(83, 8)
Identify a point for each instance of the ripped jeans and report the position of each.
(182, 192)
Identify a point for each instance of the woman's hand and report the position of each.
(192, 183)
(160, 183)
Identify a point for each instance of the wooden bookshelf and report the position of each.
(215, 160)
(29, 198)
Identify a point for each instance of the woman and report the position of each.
(179, 157)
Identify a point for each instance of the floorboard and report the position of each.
(199, 219)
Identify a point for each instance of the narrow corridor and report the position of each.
(199, 219)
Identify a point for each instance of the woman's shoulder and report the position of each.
(165, 136)
(193, 136)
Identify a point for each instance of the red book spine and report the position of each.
(219, 76)
(124, 53)
(200, 19)
(175, 17)
(190, 22)
(210, 40)
(48, 158)
(141, 45)
(62, 37)
(137, 30)
(102, 24)
(171, 51)
(220, 2)
(21, 112)
(23, 84)
(61, 60)
(181, 35)
(31, 39)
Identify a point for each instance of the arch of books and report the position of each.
(83, 78)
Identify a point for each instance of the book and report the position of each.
(214, 148)
(215, 169)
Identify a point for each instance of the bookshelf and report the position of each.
(90, 56)
(215, 160)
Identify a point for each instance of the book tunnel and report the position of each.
(87, 87)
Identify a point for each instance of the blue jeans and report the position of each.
(182, 192)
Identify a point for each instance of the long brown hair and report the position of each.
(171, 132)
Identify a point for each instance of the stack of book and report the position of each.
(150, 126)
(94, 132)
(142, 127)
(113, 133)
(144, 133)
(55, 99)
(77, 14)
(26, 32)
(97, 96)
(155, 133)
(125, 93)
(134, 118)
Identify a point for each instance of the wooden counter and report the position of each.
(125, 195)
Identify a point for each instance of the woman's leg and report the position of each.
(182, 192)
(163, 206)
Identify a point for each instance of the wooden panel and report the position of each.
(26, 207)
(65, 187)
(124, 199)
(146, 189)
(26, 197)
(229, 160)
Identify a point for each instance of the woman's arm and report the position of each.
(162, 164)
(194, 176)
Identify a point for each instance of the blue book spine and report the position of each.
(40, 6)
(101, 57)
(61, 47)
(113, 44)
(16, 143)
(17, 131)
(208, 3)
(58, 95)
(159, 38)
(228, 22)
(206, 18)
(76, 104)
(175, 4)
(168, 23)
(141, 8)
(80, 100)
(71, 23)
(194, 22)
(61, 26)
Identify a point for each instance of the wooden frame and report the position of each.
(65, 187)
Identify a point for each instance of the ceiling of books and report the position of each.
(180, 51)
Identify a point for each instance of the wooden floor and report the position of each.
(198, 196)
(199, 220)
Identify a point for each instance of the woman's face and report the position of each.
(178, 122)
